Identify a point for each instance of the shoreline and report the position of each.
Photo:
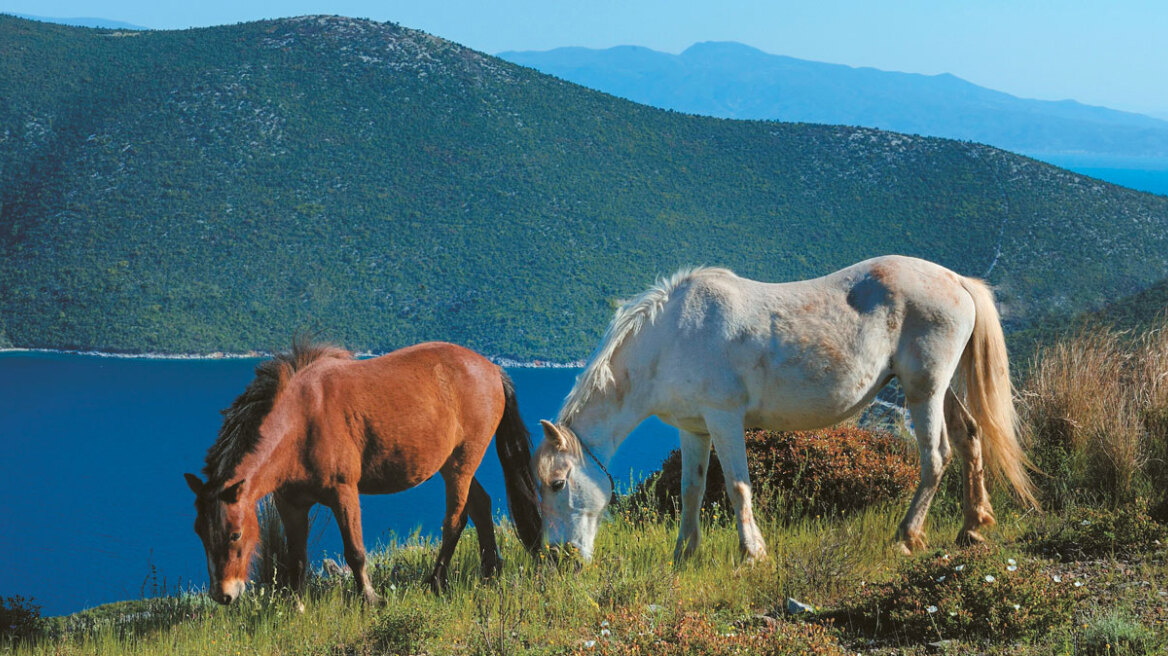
(506, 363)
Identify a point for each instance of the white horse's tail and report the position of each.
(985, 374)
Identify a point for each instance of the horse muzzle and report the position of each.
(228, 591)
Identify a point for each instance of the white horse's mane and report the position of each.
(630, 317)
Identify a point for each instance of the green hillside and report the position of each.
(217, 189)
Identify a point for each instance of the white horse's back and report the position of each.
(802, 354)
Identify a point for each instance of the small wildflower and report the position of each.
(959, 568)
(605, 633)
(589, 644)
(1011, 561)
(1011, 568)
(931, 609)
(940, 578)
(1057, 578)
(1085, 522)
(1017, 607)
(990, 578)
(1078, 584)
(604, 623)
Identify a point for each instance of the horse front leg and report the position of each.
(294, 517)
(729, 438)
(347, 508)
(695, 460)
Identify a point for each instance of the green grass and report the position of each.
(710, 604)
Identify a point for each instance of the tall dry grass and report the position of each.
(1095, 406)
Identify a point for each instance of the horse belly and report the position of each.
(802, 402)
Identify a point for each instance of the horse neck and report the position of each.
(269, 466)
(604, 422)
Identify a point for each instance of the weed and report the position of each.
(1112, 634)
(1086, 532)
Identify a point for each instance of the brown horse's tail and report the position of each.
(989, 394)
(513, 443)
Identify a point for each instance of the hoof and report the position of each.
(437, 584)
(372, 599)
(968, 537)
(912, 544)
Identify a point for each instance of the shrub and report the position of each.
(1087, 532)
(1096, 408)
(402, 629)
(980, 593)
(692, 633)
(19, 618)
(1114, 635)
(840, 469)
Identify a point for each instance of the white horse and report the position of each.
(713, 354)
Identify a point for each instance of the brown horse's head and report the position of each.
(230, 530)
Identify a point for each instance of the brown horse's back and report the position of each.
(394, 421)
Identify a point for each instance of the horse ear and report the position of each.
(553, 435)
(195, 482)
(230, 494)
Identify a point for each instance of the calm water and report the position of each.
(1150, 175)
(91, 489)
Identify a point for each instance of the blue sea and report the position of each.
(1150, 175)
(93, 504)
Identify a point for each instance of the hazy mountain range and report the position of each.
(731, 80)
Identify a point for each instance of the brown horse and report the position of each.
(317, 426)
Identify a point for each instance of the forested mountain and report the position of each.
(217, 189)
(732, 80)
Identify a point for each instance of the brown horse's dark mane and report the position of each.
(240, 432)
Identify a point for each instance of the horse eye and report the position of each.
(558, 485)
(235, 536)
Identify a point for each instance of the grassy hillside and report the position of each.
(216, 189)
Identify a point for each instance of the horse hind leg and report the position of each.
(975, 502)
(929, 427)
(479, 509)
(457, 493)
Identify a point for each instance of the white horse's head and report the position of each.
(573, 488)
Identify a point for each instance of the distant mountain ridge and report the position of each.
(732, 80)
(103, 23)
(217, 189)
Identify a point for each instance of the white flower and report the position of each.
(604, 623)
(931, 609)
(1017, 607)
(1057, 578)
(959, 568)
(1011, 561)
(589, 644)
(1011, 568)
(952, 613)
(940, 578)
(990, 578)
(1085, 522)
(1078, 584)
(945, 557)
(605, 633)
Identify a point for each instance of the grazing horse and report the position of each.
(318, 426)
(712, 354)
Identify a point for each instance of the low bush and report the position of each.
(1088, 532)
(978, 594)
(1115, 635)
(699, 634)
(841, 469)
(401, 630)
(19, 618)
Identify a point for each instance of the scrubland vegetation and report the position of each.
(1087, 576)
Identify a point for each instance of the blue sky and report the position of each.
(1112, 53)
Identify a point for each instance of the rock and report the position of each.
(795, 607)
